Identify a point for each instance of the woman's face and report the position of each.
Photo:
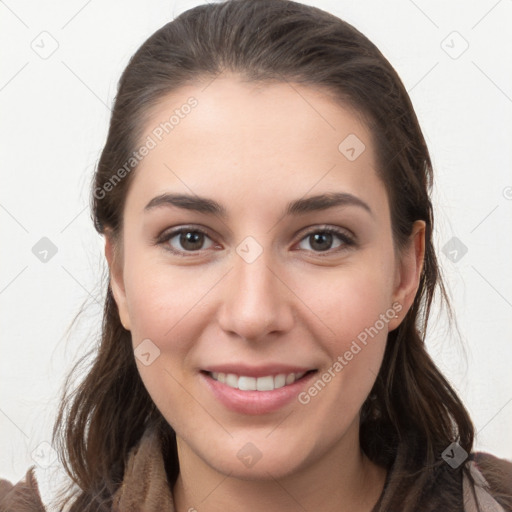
(254, 287)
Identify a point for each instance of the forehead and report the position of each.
(254, 140)
(252, 112)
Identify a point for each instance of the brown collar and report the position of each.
(145, 485)
(146, 488)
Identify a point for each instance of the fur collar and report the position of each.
(145, 485)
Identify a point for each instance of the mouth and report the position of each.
(264, 383)
(255, 395)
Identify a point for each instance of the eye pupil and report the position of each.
(318, 238)
(191, 237)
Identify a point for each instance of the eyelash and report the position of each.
(347, 241)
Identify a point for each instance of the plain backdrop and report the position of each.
(60, 64)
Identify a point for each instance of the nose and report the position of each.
(256, 300)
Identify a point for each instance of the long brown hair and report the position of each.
(412, 414)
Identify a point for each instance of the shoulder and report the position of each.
(24, 496)
(497, 477)
(497, 471)
(493, 465)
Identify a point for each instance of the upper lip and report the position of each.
(256, 371)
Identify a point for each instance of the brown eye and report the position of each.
(185, 240)
(191, 240)
(322, 240)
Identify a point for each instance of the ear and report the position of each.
(116, 279)
(408, 272)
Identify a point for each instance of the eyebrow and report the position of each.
(298, 207)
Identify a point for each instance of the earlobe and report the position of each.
(409, 272)
(116, 280)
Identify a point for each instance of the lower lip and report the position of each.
(255, 402)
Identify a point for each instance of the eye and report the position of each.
(191, 240)
(184, 240)
(321, 240)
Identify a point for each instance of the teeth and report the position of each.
(267, 383)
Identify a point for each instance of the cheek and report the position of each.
(162, 299)
(348, 301)
(162, 305)
(352, 309)
(356, 307)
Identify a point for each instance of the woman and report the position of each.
(264, 197)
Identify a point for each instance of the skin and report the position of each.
(253, 148)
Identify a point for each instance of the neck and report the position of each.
(342, 480)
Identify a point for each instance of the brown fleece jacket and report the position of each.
(145, 486)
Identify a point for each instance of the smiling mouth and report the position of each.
(264, 383)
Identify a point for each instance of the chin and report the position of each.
(253, 461)
(269, 469)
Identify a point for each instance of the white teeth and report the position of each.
(279, 381)
(231, 380)
(267, 383)
(247, 383)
